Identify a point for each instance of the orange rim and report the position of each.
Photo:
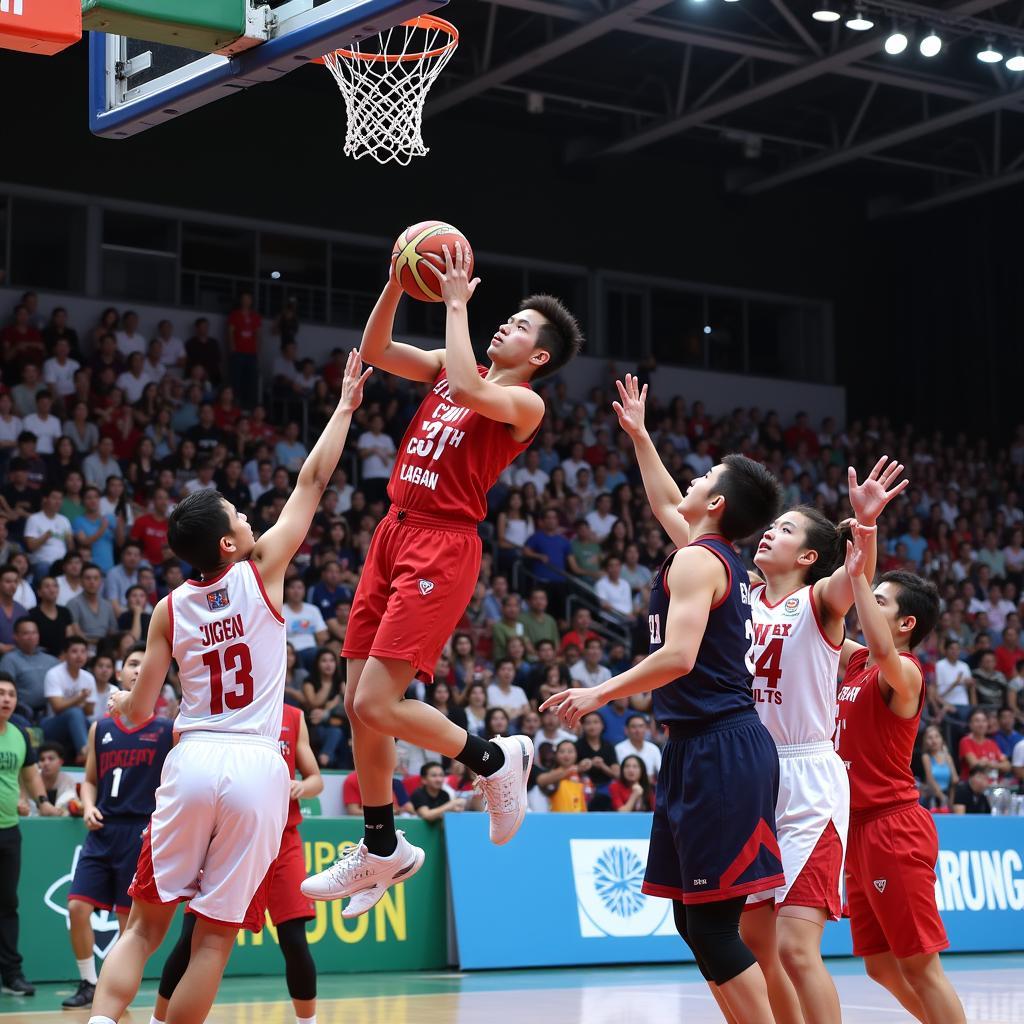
(427, 22)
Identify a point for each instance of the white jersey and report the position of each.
(795, 668)
(229, 644)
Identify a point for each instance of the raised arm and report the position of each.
(521, 408)
(274, 550)
(379, 349)
(137, 705)
(663, 493)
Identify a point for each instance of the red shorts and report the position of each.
(418, 579)
(890, 882)
(279, 893)
(817, 885)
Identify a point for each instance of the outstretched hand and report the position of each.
(632, 410)
(456, 286)
(856, 549)
(353, 381)
(870, 498)
(572, 705)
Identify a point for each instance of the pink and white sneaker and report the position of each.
(505, 790)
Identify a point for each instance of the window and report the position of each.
(677, 327)
(220, 250)
(47, 245)
(358, 274)
(140, 257)
(726, 339)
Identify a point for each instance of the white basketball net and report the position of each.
(384, 82)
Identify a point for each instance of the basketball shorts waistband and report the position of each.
(246, 739)
(448, 523)
(821, 748)
(733, 720)
(858, 817)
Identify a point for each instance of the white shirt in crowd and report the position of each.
(572, 467)
(581, 674)
(25, 595)
(47, 431)
(375, 467)
(56, 545)
(538, 478)
(129, 343)
(303, 625)
(58, 682)
(60, 376)
(133, 386)
(10, 428)
(700, 464)
(511, 699)
(618, 595)
(648, 753)
(1017, 758)
(65, 592)
(173, 352)
(601, 525)
(947, 675)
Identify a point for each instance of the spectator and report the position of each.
(130, 341)
(58, 330)
(26, 664)
(538, 625)
(1018, 762)
(989, 683)
(940, 774)
(290, 452)
(509, 625)
(637, 744)
(615, 714)
(970, 795)
(172, 349)
(60, 787)
(1009, 652)
(17, 769)
(43, 423)
(51, 619)
(474, 703)
(585, 558)
(503, 693)
(245, 329)
(203, 352)
(71, 694)
(581, 631)
(614, 593)
(432, 801)
(10, 609)
(205, 435)
(1006, 736)
(69, 582)
(136, 615)
(592, 747)
(496, 723)
(304, 625)
(377, 452)
(23, 395)
(954, 685)
(440, 696)
(102, 669)
(83, 432)
(17, 499)
(549, 551)
(513, 528)
(92, 615)
(47, 532)
(589, 671)
(632, 791)
(977, 749)
(322, 696)
(21, 343)
(97, 532)
(561, 782)
(10, 427)
(530, 472)
(98, 467)
(150, 529)
(353, 800)
(602, 519)
(153, 367)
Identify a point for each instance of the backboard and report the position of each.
(135, 85)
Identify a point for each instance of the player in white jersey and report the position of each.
(223, 797)
(798, 612)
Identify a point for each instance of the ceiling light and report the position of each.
(931, 45)
(990, 55)
(858, 22)
(824, 12)
(896, 43)
(1016, 63)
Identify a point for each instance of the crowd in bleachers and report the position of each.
(103, 427)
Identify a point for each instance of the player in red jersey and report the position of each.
(424, 561)
(279, 894)
(893, 845)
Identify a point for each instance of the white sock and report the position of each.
(99, 1019)
(87, 970)
(306, 1020)
(155, 1020)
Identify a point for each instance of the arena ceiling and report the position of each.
(780, 97)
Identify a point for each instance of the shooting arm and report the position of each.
(662, 491)
(379, 349)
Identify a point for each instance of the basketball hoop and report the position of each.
(384, 82)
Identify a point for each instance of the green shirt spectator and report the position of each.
(537, 624)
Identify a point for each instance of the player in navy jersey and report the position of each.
(713, 839)
(122, 773)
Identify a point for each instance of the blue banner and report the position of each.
(576, 880)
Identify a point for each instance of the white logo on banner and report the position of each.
(608, 874)
(104, 922)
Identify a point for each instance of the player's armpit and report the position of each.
(521, 408)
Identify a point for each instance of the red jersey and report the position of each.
(245, 327)
(875, 743)
(450, 457)
(986, 750)
(151, 533)
(290, 727)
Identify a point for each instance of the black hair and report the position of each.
(918, 597)
(635, 715)
(752, 497)
(978, 769)
(427, 765)
(52, 748)
(195, 528)
(560, 335)
(73, 641)
(645, 781)
(22, 618)
(825, 538)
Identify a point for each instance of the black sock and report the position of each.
(379, 830)
(484, 756)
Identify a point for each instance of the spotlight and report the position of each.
(896, 43)
(824, 12)
(858, 22)
(990, 55)
(1016, 63)
(707, 328)
(931, 45)
(275, 275)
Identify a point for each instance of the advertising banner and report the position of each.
(578, 878)
(406, 931)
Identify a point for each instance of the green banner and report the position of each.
(406, 931)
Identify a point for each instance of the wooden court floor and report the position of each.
(991, 987)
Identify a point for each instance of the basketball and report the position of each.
(426, 241)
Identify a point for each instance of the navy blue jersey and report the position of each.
(128, 766)
(721, 681)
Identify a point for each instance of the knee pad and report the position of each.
(299, 969)
(679, 916)
(714, 937)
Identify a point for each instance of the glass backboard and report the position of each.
(135, 85)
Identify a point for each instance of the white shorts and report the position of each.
(814, 789)
(220, 814)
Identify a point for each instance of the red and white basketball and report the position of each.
(421, 242)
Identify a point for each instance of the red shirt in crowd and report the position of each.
(986, 750)
(1007, 658)
(151, 533)
(245, 327)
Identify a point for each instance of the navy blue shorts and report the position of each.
(106, 865)
(713, 836)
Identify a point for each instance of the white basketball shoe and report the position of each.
(364, 876)
(505, 790)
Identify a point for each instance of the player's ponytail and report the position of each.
(821, 535)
